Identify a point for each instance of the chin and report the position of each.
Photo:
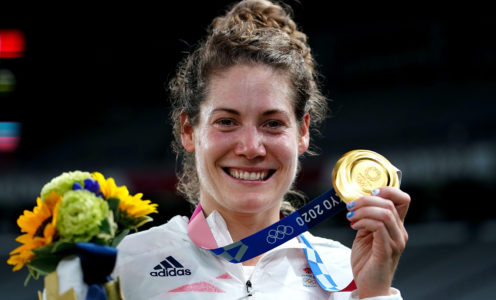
(255, 205)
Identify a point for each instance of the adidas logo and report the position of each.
(170, 267)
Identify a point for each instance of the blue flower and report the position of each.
(77, 186)
(92, 186)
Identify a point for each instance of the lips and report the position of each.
(250, 175)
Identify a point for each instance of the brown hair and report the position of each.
(251, 32)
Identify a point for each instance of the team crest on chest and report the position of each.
(307, 278)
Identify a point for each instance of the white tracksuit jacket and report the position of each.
(163, 263)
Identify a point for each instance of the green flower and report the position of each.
(80, 215)
(64, 182)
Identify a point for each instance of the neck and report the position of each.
(243, 224)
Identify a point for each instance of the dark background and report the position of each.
(417, 87)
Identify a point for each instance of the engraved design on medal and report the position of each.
(376, 174)
(368, 175)
(358, 172)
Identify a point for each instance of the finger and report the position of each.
(382, 215)
(373, 201)
(377, 201)
(380, 232)
(382, 235)
(400, 199)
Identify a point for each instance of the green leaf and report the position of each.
(113, 204)
(100, 240)
(105, 226)
(30, 274)
(33, 273)
(45, 250)
(45, 264)
(133, 223)
(63, 246)
(143, 220)
(118, 238)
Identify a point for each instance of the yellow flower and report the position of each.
(133, 206)
(20, 259)
(108, 187)
(23, 254)
(39, 228)
(30, 221)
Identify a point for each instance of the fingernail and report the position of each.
(350, 205)
(352, 223)
(350, 214)
(375, 192)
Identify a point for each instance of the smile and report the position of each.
(249, 175)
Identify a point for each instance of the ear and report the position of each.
(187, 133)
(304, 138)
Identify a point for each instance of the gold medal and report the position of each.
(358, 172)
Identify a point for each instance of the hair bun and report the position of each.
(249, 16)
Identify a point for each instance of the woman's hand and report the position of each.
(380, 240)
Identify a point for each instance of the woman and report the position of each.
(244, 104)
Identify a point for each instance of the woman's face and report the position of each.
(247, 140)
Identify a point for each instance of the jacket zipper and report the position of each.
(248, 288)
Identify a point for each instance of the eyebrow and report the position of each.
(223, 109)
(235, 112)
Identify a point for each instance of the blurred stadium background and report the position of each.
(82, 88)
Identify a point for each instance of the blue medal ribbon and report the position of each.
(300, 221)
(319, 270)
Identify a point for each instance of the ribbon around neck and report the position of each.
(314, 212)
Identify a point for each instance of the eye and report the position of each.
(225, 123)
(274, 124)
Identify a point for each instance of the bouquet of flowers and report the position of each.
(74, 209)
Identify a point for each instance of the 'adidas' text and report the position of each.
(170, 267)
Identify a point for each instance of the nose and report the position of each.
(250, 143)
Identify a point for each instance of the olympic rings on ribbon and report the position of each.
(280, 232)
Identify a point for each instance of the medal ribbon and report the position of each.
(322, 207)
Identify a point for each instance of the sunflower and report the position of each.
(23, 254)
(30, 221)
(38, 227)
(132, 206)
(135, 207)
(108, 187)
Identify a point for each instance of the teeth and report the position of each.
(248, 175)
